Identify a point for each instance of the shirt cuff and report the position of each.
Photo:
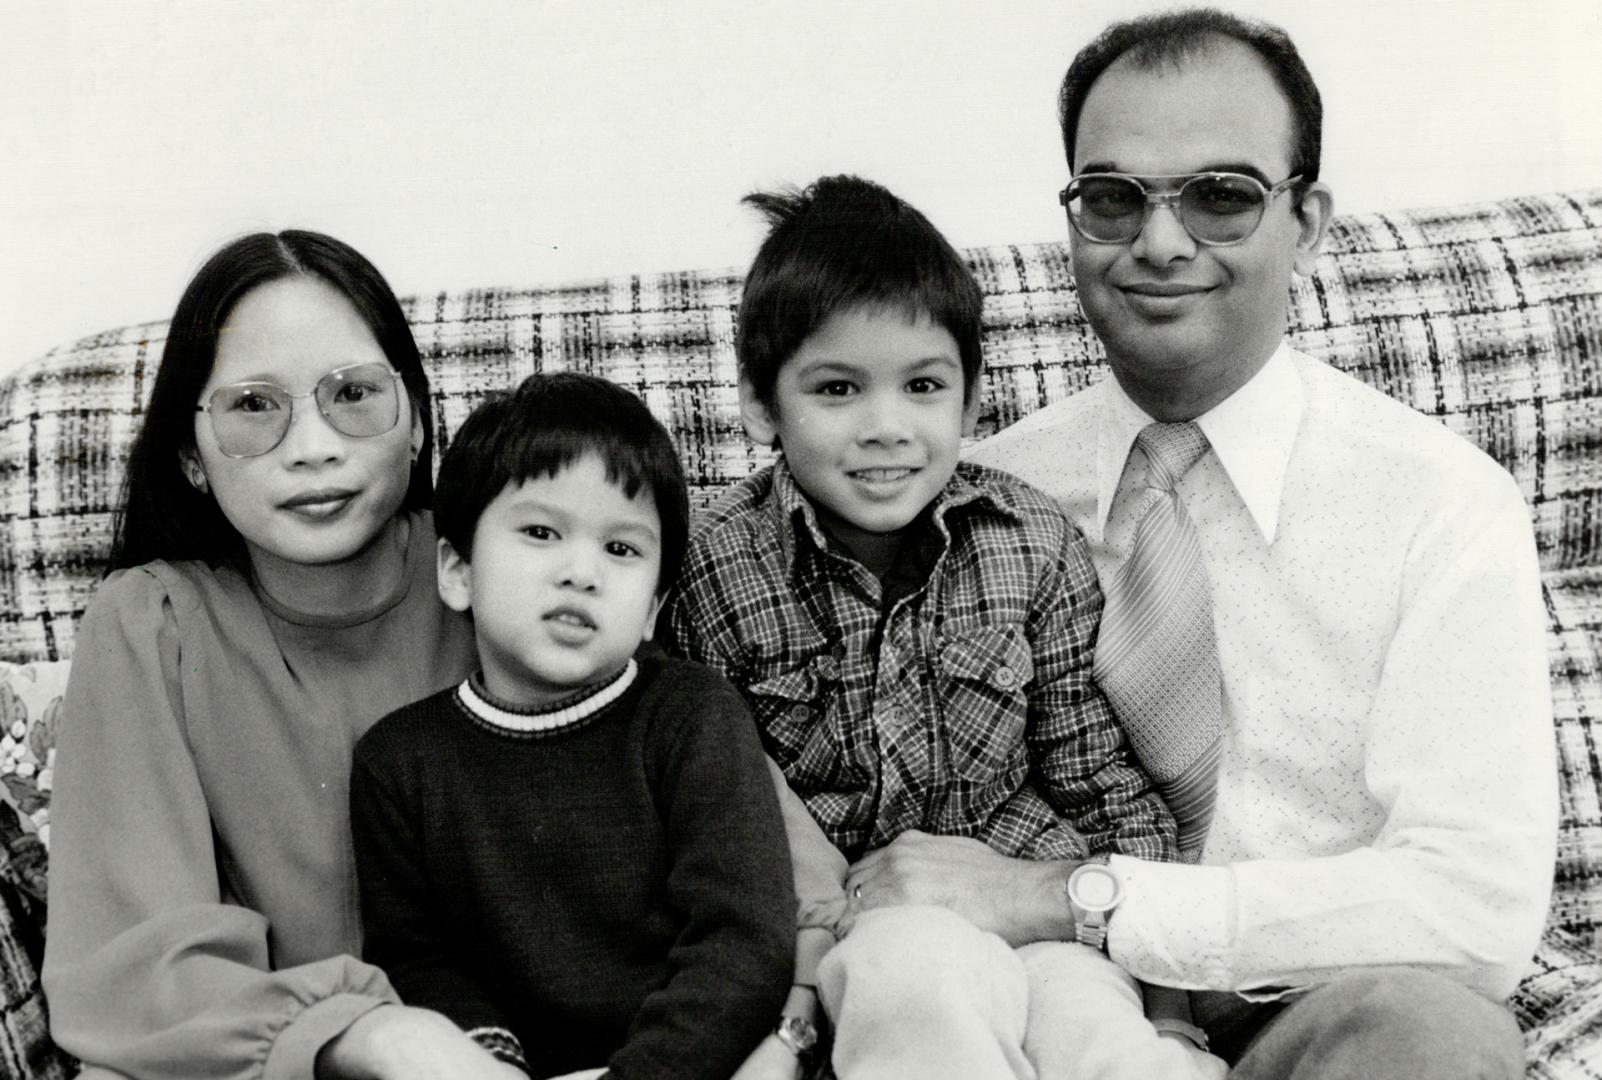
(1175, 924)
(294, 1052)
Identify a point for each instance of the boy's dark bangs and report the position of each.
(542, 450)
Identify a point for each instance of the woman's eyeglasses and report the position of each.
(250, 418)
(1216, 208)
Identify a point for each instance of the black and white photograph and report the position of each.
(1035, 540)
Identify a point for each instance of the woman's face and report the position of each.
(319, 497)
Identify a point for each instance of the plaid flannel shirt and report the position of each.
(966, 709)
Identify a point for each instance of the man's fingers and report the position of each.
(861, 893)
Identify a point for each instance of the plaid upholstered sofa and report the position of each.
(1488, 317)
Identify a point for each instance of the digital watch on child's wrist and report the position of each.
(1093, 892)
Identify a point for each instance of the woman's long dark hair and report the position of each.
(162, 516)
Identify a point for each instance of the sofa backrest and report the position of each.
(1486, 316)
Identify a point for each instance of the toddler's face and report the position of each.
(870, 415)
(562, 582)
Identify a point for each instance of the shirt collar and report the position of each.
(504, 715)
(1251, 432)
(794, 514)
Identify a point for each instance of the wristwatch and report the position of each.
(1093, 892)
(798, 1034)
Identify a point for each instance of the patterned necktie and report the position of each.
(1156, 658)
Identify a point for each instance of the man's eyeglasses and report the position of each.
(1216, 208)
(251, 418)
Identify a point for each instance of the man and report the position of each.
(1325, 618)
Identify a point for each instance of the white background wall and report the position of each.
(482, 142)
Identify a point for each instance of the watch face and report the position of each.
(1094, 887)
(802, 1032)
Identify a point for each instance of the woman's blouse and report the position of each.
(203, 913)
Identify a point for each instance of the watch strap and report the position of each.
(1090, 933)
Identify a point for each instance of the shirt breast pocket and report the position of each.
(983, 683)
(792, 710)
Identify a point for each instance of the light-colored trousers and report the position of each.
(921, 992)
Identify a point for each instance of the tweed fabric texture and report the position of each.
(26, 1051)
(1486, 316)
(1559, 1006)
(1156, 656)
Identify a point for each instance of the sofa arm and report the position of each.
(1559, 1006)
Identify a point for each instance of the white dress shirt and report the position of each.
(1388, 786)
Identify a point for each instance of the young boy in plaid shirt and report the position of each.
(914, 635)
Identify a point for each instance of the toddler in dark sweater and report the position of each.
(576, 854)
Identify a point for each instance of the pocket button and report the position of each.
(1004, 677)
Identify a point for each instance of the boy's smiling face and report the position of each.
(870, 413)
(561, 583)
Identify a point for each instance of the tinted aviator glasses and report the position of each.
(1216, 208)
(251, 418)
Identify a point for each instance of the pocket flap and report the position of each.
(996, 655)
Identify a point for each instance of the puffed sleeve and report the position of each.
(149, 970)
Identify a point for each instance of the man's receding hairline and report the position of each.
(1177, 51)
(1179, 56)
(1182, 54)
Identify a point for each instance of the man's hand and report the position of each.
(398, 1042)
(1018, 899)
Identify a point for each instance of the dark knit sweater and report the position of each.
(613, 891)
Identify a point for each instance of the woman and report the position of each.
(271, 595)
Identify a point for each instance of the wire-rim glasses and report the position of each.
(249, 419)
(1217, 209)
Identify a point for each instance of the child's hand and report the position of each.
(771, 1060)
(400, 1042)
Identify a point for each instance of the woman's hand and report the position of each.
(771, 1060)
(398, 1042)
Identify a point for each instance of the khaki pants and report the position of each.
(919, 992)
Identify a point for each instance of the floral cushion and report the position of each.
(30, 703)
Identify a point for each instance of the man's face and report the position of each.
(1185, 325)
